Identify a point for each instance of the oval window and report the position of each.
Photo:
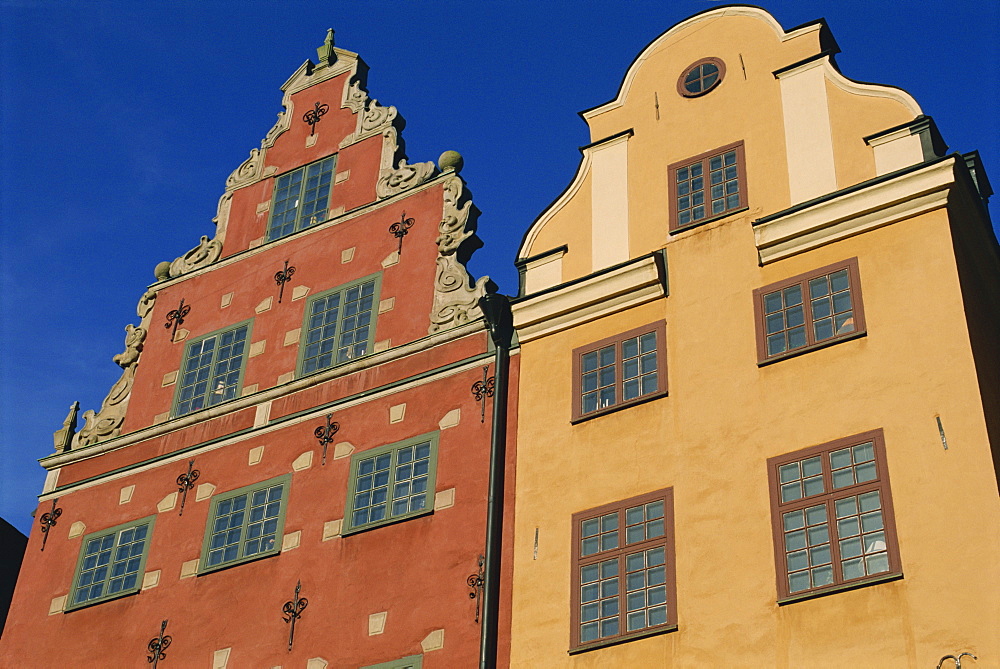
(701, 77)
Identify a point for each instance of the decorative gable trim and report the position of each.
(107, 423)
(456, 299)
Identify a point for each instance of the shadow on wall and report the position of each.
(12, 545)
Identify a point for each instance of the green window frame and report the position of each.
(301, 198)
(392, 482)
(245, 524)
(212, 369)
(339, 325)
(112, 563)
(411, 662)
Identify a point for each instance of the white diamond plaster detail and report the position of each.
(227, 299)
(391, 259)
(150, 579)
(286, 377)
(255, 456)
(257, 348)
(167, 503)
(189, 569)
(304, 461)
(444, 499)
(347, 255)
(220, 658)
(397, 413)
(262, 414)
(343, 450)
(451, 419)
(291, 541)
(332, 529)
(433, 641)
(299, 292)
(203, 492)
(77, 529)
(125, 494)
(58, 605)
(292, 336)
(386, 305)
(342, 177)
(264, 305)
(249, 390)
(376, 623)
(169, 379)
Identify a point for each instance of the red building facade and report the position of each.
(295, 422)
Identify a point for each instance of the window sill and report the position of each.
(203, 569)
(843, 587)
(618, 407)
(384, 523)
(815, 347)
(622, 639)
(717, 217)
(101, 600)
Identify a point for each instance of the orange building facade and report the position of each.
(293, 469)
(759, 415)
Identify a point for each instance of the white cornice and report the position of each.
(714, 14)
(572, 304)
(855, 211)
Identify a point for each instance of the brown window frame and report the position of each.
(829, 498)
(857, 306)
(704, 160)
(666, 541)
(660, 329)
(682, 89)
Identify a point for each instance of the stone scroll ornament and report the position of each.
(106, 423)
(456, 299)
(403, 178)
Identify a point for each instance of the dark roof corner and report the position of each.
(978, 173)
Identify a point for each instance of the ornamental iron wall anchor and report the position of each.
(292, 611)
(185, 482)
(476, 582)
(158, 646)
(283, 277)
(958, 659)
(48, 521)
(483, 389)
(399, 230)
(325, 433)
(177, 317)
(313, 116)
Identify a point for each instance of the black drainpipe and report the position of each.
(499, 322)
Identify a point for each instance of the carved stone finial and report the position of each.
(451, 160)
(325, 53)
(162, 270)
(456, 298)
(64, 437)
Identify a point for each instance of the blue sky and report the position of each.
(119, 123)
